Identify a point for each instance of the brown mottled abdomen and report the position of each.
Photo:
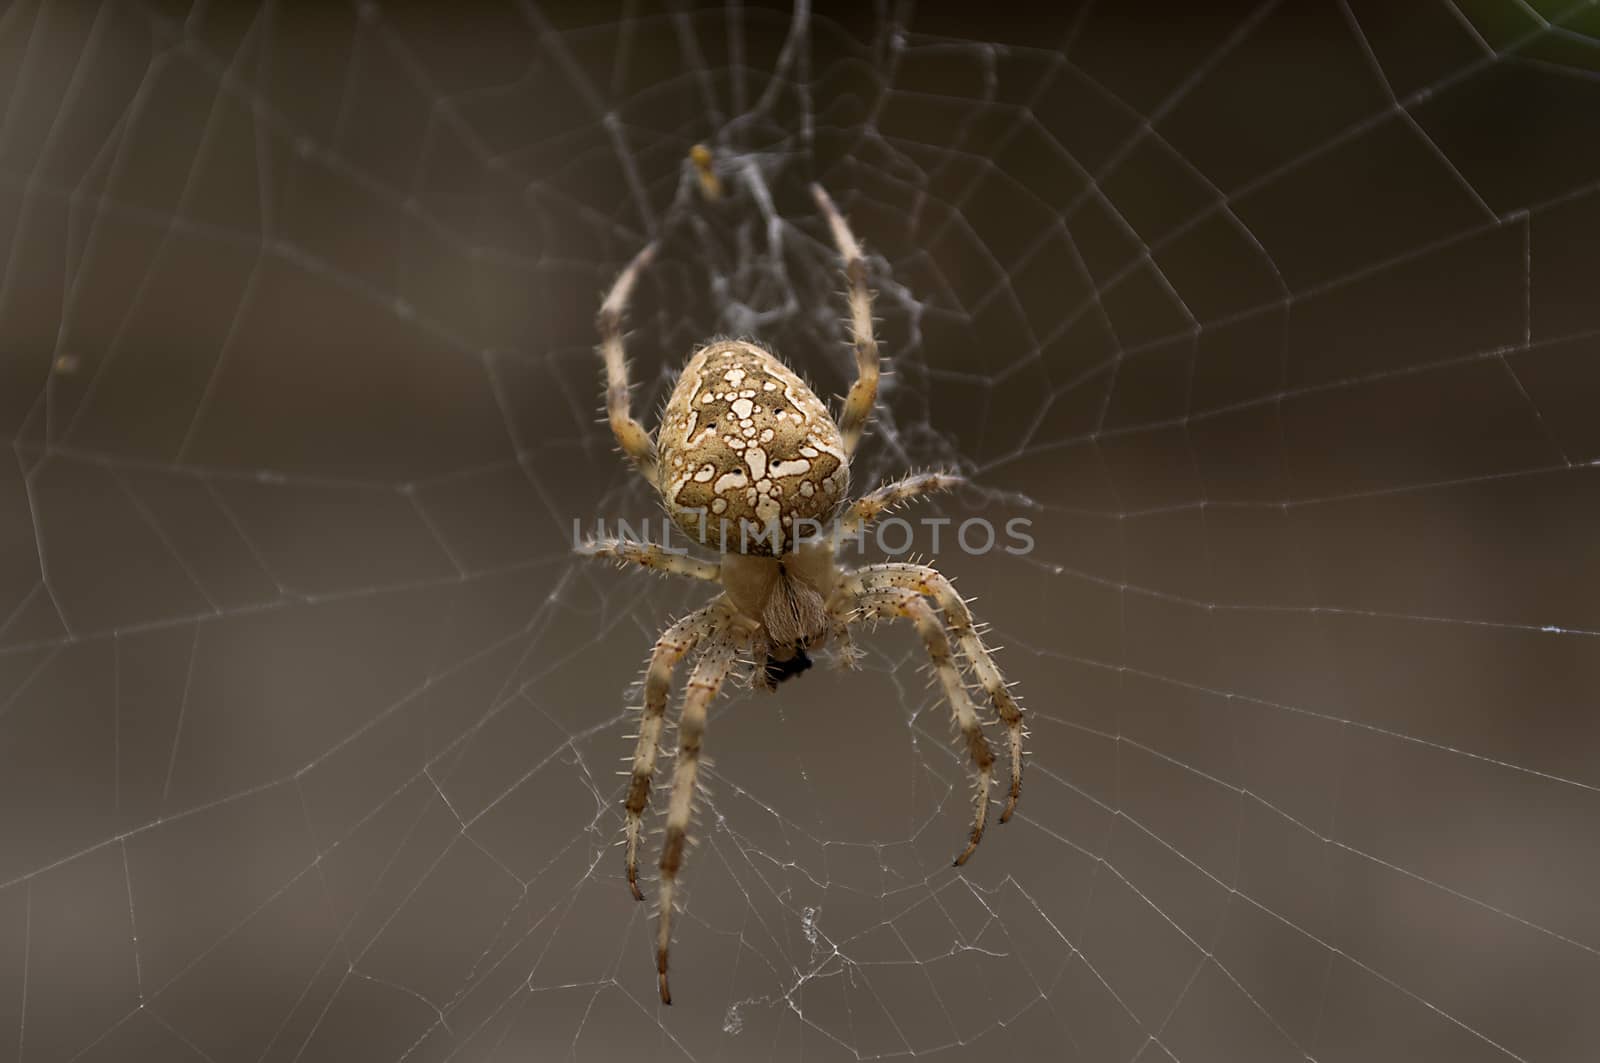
(746, 447)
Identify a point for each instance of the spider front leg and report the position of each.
(864, 392)
(671, 647)
(651, 556)
(869, 507)
(899, 602)
(704, 683)
(631, 436)
(929, 581)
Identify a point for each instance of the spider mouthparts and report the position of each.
(776, 671)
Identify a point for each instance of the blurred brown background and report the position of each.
(1276, 320)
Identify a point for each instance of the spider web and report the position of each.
(1277, 320)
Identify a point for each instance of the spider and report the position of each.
(744, 440)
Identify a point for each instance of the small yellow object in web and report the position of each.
(710, 183)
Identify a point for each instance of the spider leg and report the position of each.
(631, 436)
(651, 556)
(841, 614)
(867, 508)
(928, 581)
(864, 392)
(898, 602)
(671, 647)
(706, 680)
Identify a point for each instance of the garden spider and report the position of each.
(744, 441)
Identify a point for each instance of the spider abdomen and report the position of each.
(746, 450)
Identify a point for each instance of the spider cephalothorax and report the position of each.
(749, 461)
